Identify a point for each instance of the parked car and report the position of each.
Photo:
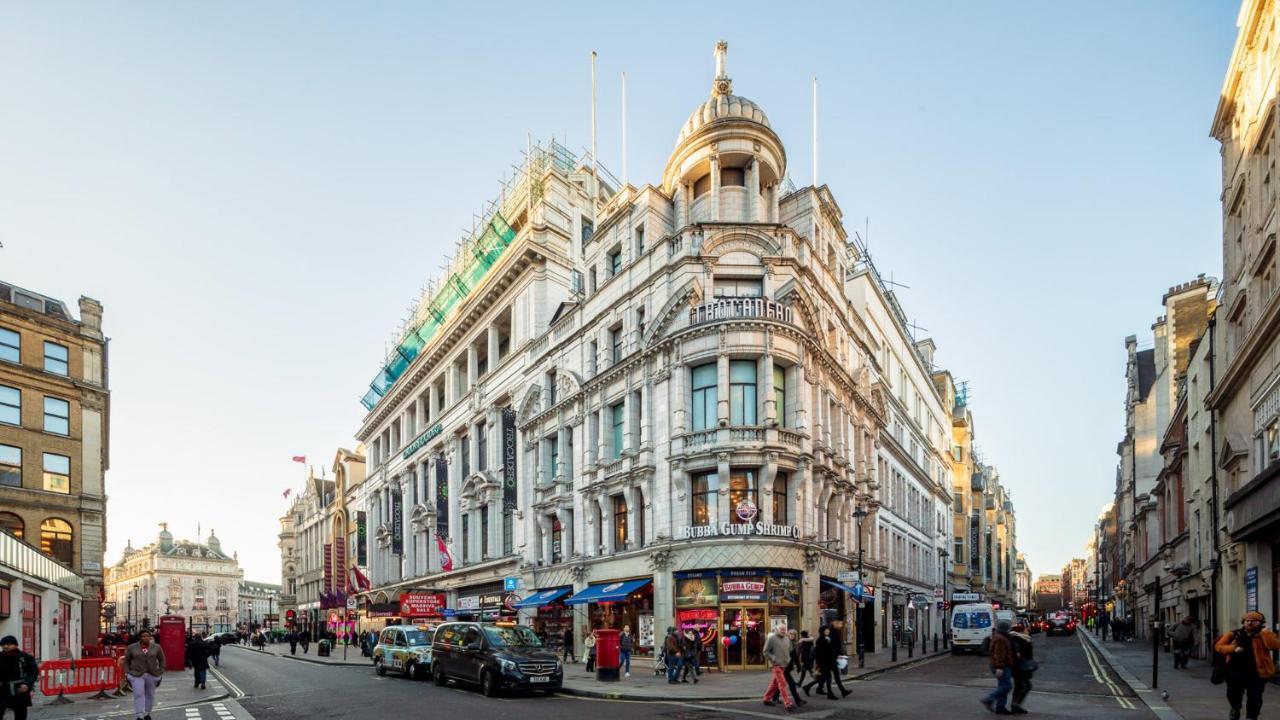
(495, 656)
(1024, 623)
(404, 648)
(1059, 625)
(226, 637)
(971, 626)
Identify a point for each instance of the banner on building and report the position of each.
(420, 605)
(328, 568)
(362, 532)
(342, 578)
(397, 523)
(442, 498)
(974, 521)
(509, 460)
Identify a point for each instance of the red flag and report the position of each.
(362, 582)
(300, 459)
(286, 493)
(446, 560)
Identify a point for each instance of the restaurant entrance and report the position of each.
(745, 628)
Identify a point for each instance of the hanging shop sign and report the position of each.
(693, 532)
(734, 589)
(421, 440)
(442, 498)
(397, 523)
(509, 460)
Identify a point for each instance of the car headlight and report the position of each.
(507, 665)
(559, 667)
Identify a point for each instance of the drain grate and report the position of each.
(856, 714)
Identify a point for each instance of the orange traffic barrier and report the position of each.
(61, 677)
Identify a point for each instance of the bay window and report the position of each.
(704, 397)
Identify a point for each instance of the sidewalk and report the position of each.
(354, 658)
(175, 691)
(643, 685)
(1190, 694)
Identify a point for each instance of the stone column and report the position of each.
(473, 365)
(646, 414)
(605, 503)
(724, 513)
(635, 507)
(454, 464)
(753, 190)
(681, 209)
(678, 397)
(722, 389)
(767, 475)
(630, 432)
(771, 409)
(493, 347)
(562, 452)
(433, 402)
(542, 548)
(495, 526)
(451, 384)
(715, 188)
(568, 531)
(602, 452)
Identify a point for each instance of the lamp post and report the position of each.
(946, 593)
(133, 602)
(860, 514)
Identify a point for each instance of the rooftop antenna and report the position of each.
(815, 131)
(624, 129)
(915, 329)
(891, 281)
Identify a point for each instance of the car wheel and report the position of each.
(413, 671)
(379, 668)
(437, 674)
(488, 683)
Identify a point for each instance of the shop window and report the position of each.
(742, 392)
(704, 397)
(780, 498)
(12, 524)
(619, 523)
(10, 466)
(744, 497)
(703, 496)
(55, 539)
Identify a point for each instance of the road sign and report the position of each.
(351, 603)
(858, 591)
(966, 597)
(937, 593)
(510, 584)
(848, 576)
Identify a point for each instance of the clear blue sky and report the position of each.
(255, 192)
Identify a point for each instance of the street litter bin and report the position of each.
(608, 658)
(323, 648)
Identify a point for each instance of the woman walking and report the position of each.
(824, 656)
(626, 644)
(144, 664)
(804, 651)
(590, 642)
(1249, 665)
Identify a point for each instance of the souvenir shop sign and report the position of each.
(421, 605)
(692, 532)
(739, 589)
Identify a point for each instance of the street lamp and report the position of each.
(860, 514)
(946, 592)
(133, 602)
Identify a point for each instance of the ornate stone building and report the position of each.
(168, 577)
(654, 405)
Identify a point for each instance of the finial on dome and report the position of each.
(722, 84)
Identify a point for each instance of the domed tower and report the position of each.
(214, 543)
(166, 538)
(728, 162)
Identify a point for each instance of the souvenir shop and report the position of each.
(733, 611)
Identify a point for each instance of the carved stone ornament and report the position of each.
(578, 572)
(811, 558)
(660, 559)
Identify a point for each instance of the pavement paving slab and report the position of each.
(1180, 695)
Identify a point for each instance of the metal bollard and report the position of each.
(935, 642)
(911, 647)
(894, 656)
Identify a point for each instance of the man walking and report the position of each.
(777, 653)
(671, 652)
(144, 664)
(305, 640)
(198, 659)
(1024, 666)
(824, 656)
(1002, 667)
(568, 644)
(292, 638)
(215, 650)
(1249, 665)
(1184, 635)
(18, 675)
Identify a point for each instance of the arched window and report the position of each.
(12, 524)
(55, 539)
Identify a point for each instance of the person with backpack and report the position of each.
(1247, 652)
(1183, 637)
(1024, 666)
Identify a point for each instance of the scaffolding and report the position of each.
(478, 251)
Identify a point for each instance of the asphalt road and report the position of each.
(1070, 684)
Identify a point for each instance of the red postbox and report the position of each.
(173, 640)
(608, 659)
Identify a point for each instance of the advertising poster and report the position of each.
(509, 460)
(695, 590)
(397, 524)
(442, 498)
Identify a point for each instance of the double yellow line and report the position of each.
(1103, 677)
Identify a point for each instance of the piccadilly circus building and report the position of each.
(650, 406)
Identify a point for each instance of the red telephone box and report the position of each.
(173, 640)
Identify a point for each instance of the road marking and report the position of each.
(1096, 664)
(226, 682)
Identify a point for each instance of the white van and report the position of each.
(971, 627)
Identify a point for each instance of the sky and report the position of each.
(255, 192)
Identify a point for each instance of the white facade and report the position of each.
(258, 604)
(194, 580)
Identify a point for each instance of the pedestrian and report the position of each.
(18, 675)
(1249, 664)
(777, 653)
(804, 650)
(691, 650)
(837, 670)
(626, 644)
(305, 640)
(568, 644)
(292, 638)
(1184, 636)
(671, 652)
(1002, 667)
(215, 650)
(824, 657)
(590, 644)
(144, 664)
(1024, 666)
(198, 659)
(793, 665)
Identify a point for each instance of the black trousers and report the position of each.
(1021, 687)
(822, 679)
(1249, 690)
(19, 708)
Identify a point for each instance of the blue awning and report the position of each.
(543, 597)
(609, 592)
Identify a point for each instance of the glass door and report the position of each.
(745, 631)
